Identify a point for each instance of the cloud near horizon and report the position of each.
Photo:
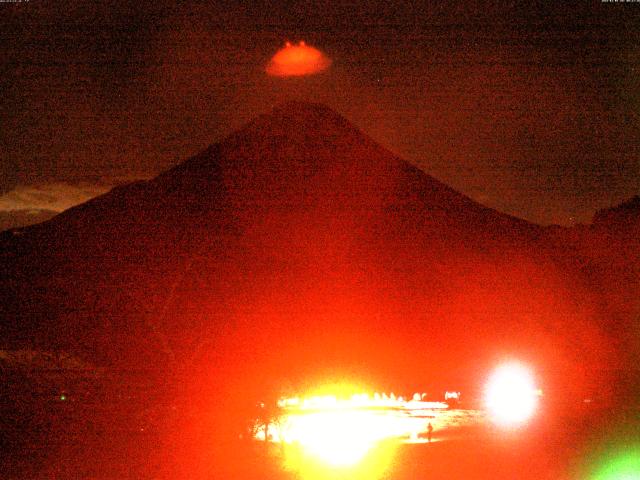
(31, 204)
(57, 196)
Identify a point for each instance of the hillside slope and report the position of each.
(298, 245)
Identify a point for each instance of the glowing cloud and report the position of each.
(56, 196)
(297, 60)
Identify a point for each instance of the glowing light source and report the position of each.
(353, 433)
(296, 60)
(339, 438)
(623, 466)
(511, 395)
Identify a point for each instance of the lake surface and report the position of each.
(155, 434)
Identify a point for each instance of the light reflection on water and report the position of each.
(406, 426)
(358, 438)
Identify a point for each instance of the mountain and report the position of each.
(20, 218)
(297, 246)
(625, 215)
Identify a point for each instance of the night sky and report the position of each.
(530, 108)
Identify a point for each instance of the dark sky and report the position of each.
(531, 108)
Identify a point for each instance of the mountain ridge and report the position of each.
(296, 230)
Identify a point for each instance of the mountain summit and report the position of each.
(305, 154)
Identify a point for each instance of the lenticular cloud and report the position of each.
(296, 60)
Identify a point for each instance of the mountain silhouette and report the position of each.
(298, 245)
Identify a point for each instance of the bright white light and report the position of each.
(338, 438)
(511, 395)
(341, 431)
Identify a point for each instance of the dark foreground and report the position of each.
(110, 453)
(155, 434)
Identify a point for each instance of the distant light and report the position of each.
(63, 397)
(452, 395)
(511, 396)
